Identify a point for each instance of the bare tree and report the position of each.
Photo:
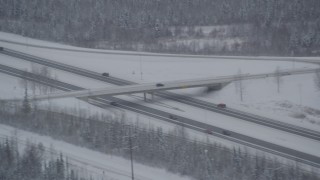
(41, 72)
(278, 78)
(34, 85)
(38, 72)
(45, 72)
(24, 82)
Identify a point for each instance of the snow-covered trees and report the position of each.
(31, 163)
(172, 151)
(124, 24)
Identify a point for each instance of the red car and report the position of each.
(222, 105)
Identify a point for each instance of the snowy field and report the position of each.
(296, 103)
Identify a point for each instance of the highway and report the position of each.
(175, 97)
(145, 54)
(104, 101)
(168, 85)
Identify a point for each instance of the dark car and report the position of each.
(114, 103)
(159, 84)
(105, 74)
(208, 131)
(225, 132)
(1, 48)
(222, 105)
(173, 117)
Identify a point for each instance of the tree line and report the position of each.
(173, 151)
(282, 27)
(32, 164)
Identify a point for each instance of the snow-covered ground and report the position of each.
(297, 102)
(100, 166)
(297, 93)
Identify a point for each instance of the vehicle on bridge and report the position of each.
(1, 48)
(159, 85)
(105, 74)
(114, 103)
(221, 105)
(173, 117)
(208, 131)
(225, 132)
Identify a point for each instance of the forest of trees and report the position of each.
(276, 27)
(31, 164)
(173, 151)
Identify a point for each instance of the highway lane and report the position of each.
(243, 116)
(172, 96)
(104, 101)
(145, 54)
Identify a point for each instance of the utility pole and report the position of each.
(131, 148)
(131, 153)
(300, 93)
(141, 73)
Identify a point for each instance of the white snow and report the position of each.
(297, 93)
(259, 94)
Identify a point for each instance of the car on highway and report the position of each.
(1, 48)
(225, 132)
(173, 117)
(208, 131)
(105, 74)
(114, 103)
(221, 105)
(159, 85)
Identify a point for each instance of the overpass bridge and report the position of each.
(213, 83)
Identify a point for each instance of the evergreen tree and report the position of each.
(26, 107)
